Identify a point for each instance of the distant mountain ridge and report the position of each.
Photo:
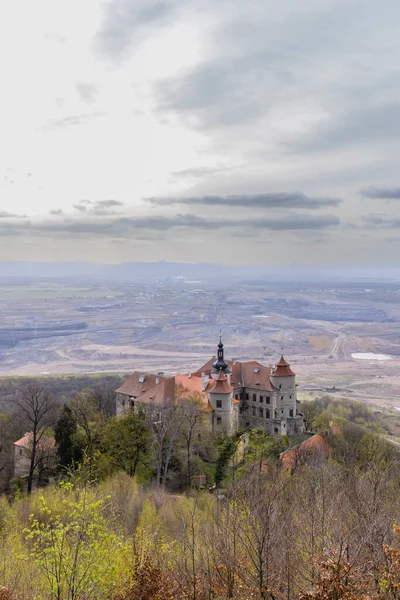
(191, 271)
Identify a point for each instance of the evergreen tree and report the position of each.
(65, 435)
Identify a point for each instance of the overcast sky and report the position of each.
(200, 130)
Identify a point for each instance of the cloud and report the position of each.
(129, 226)
(379, 221)
(8, 215)
(72, 120)
(295, 200)
(381, 193)
(56, 211)
(351, 127)
(124, 22)
(108, 203)
(87, 92)
(81, 206)
(98, 207)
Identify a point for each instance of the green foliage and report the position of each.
(126, 441)
(71, 545)
(226, 450)
(319, 412)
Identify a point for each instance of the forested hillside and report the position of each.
(152, 506)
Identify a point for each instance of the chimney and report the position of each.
(204, 382)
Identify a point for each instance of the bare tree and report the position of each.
(38, 411)
(105, 398)
(165, 422)
(192, 413)
(259, 530)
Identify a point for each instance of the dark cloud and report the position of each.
(295, 200)
(8, 215)
(56, 211)
(81, 206)
(379, 221)
(381, 193)
(87, 92)
(98, 207)
(213, 94)
(108, 203)
(128, 226)
(358, 125)
(125, 21)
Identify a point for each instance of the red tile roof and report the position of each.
(252, 374)
(315, 448)
(220, 385)
(46, 442)
(133, 387)
(282, 369)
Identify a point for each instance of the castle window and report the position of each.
(254, 397)
(20, 451)
(280, 386)
(261, 399)
(276, 430)
(246, 397)
(291, 412)
(267, 414)
(281, 397)
(290, 397)
(219, 403)
(123, 402)
(267, 399)
(218, 420)
(247, 424)
(276, 415)
(132, 403)
(261, 412)
(254, 411)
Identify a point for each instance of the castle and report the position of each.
(234, 394)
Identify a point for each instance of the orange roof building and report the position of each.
(234, 394)
(313, 450)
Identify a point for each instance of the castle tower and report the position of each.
(221, 364)
(223, 408)
(284, 380)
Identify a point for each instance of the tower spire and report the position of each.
(220, 364)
